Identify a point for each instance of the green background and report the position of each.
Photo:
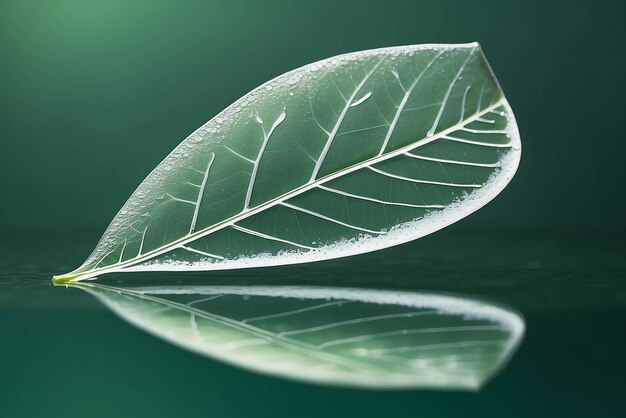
(95, 94)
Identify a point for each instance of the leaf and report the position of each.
(338, 336)
(344, 156)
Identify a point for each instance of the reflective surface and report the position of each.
(65, 353)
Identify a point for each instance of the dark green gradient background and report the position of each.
(93, 94)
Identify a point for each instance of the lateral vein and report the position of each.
(436, 183)
(328, 218)
(196, 210)
(262, 235)
(266, 138)
(384, 202)
(441, 160)
(193, 250)
(342, 115)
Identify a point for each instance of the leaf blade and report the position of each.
(178, 205)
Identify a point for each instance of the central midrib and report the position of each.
(302, 189)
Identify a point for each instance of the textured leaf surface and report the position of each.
(340, 157)
(355, 337)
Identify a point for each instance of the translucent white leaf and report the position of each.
(344, 156)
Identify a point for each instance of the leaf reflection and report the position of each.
(369, 338)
